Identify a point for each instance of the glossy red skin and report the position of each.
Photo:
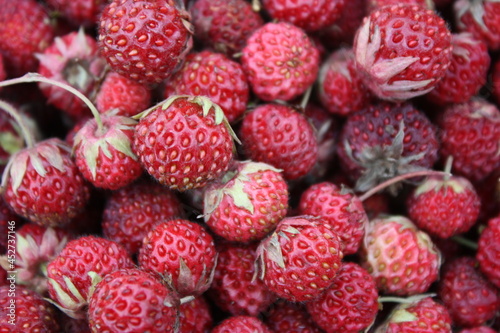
(350, 304)
(341, 89)
(280, 62)
(488, 253)
(131, 300)
(64, 193)
(32, 313)
(112, 172)
(470, 133)
(490, 31)
(132, 211)
(180, 143)
(19, 18)
(342, 209)
(79, 257)
(215, 76)
(168, 242)
(234, 288)
(126, 95)
(146, 47)
(304, 14)
(280, 136)
(399, 258)
(432, 317)
(469, 297)
(241, 324)
(442, 211)
(312, 257)
(478, 329)
(467, 73)
(406, 30)
(195, 316)
(268, 192)
(224, 25)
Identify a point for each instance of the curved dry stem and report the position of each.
(14, 113)
(397, 179)
(35, 77)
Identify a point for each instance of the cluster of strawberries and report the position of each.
(250, 166)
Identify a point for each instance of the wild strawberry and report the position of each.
(35, 247)
(349, 305)
(280, 136)
(185, 142)
(402, 51)
(23, 310)
(25, 31)
(326, 129)
(402, 259)
(145, 40)
(72, 59)
(467, 72)
(470, 132)
(241, 324)
(43, 184)
(469, 297)
(234, 288)
(341, 208)
(280, 61)
(183, 253)
(103, 152)
(290, 317)
(375, 4)
(444, 207)
(224, 25)
(481, 18)
(131, 212)
(304, 14)
(422, 316)
(300, 259)
(11, 136)
(195, 316)
(247, 203)
(341, 32)
(127, 96)
(79, 12)
(488, 252)
(214, 76)
(132, 300)
(341, 89)
(385, 140)
(82, 263)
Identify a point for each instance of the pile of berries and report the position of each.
(250, 166)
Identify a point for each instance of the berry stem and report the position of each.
(465, 242)
(305, 98)
(35, 77)
(399, 178)
(27, 135)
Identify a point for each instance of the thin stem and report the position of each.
(305, 98)
(465, 242)
(405, 300)
(394, 180)
(27, 135)
(35, 77)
